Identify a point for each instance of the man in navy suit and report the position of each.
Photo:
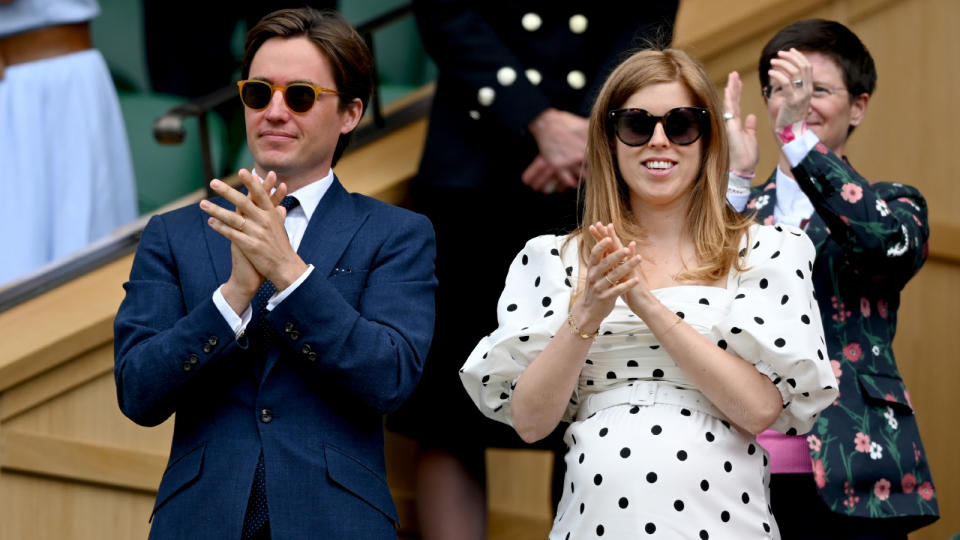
(280, 329)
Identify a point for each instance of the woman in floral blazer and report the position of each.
(867, 475)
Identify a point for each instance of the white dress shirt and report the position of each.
(793, 205)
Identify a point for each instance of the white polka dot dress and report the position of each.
(649, 455)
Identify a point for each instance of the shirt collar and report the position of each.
(309, 195)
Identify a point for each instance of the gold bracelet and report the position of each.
(675, 323)
(577, 331)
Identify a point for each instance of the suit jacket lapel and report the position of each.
(330, 230)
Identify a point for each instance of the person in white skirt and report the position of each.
(668, 330)
(67, 173)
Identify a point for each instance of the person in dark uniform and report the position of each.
(501, 164)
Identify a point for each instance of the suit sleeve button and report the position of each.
(288, 327)
(312, 356)
(207, 348)
(306, 349)
(212, 340)
(187, 366)
(266, 416)
(193, 359)
(294, 335)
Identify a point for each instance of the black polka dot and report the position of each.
(658, 373)
(758, 320)
(485, 379)
(546, 301)
(791, 431)
(524, 259)
(780, 342)
(624, 452)
(682, 455)
(504, 395)
(681, 314)
(582, 456)
(589, 361)
(766, 527)
(763, 283)
(724, 516)
(745, 498)
(603, 432)
(805, 319)
(651, 477)
(589, 382)
(597, 479)
(650, 528)
(599, 530)
(569, 270)
(512, 307)
(709, 436)
(635, 409)
(536, 282)
(704, 485)
(656, 430)
(799, 273)
(567, 537)
(582, 508)
(555, 252)
(685, 412)
(547, 314)
(722, 344)
(819, 354)
(735, 330)
(654, 347)
(704, 535)
(755, 246)
(678, 505)
(611, 375)
(739, 296)
(725, 423)
(623, 502)
(524, 338)
(727, 466)
(704, 301)
(751, 449)
(775, 255)
(632, 363)
(571, 487)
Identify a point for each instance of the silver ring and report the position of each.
(550, 188)
(607, 277)
(728, 116)
(798, 83)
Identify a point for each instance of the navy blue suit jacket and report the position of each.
(344, 348)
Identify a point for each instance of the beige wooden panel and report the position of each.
(926, 349)
(34, 507)
(89, 413)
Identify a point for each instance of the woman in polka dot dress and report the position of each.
(668, 337)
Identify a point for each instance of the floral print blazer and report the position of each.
(871, 238)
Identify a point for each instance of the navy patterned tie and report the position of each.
(258, 516)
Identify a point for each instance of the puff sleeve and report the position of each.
(533, 306)
(774, 323)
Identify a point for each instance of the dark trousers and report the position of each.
(802, 515)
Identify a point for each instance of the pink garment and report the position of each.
(788, 453)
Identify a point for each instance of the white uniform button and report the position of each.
(474, 114)
(578, 24)
(531, 22)
(486, 96)
(533, 76)
(506, 76)
(576, 79)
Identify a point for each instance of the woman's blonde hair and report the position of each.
(716, 227)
